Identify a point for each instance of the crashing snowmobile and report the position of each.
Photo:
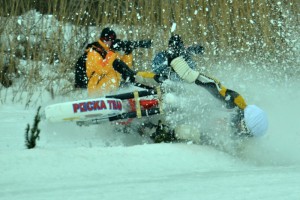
(125, 108)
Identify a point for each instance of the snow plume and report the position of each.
(199, 112)
(198, 116)
(281, 102)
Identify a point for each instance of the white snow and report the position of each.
(173, 28)
(97, 162)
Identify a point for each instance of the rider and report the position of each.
(101, 76)
(252, 120)
(162, 60)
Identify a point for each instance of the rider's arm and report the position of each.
(195, 49)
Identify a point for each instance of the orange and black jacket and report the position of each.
(102, 78)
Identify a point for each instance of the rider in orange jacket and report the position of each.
(102, 78)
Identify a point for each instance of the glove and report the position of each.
(183, 70)
(148, 78)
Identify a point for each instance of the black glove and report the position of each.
(160, 78)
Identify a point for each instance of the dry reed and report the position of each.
(229, 29)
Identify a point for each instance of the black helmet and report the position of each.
(108, 34)
(176, 47)
(176, 42)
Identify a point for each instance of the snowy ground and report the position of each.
(97, 163)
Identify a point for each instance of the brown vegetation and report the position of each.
(228, 23)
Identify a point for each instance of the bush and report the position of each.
(31, 135)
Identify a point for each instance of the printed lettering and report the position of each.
(114, 105)
(103, 105)
(97, 105)
(82, 107)
(90, 105)
(110, 102)
(119, 105)
(75, 107)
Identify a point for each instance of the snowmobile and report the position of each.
(124, 108)
(136, 104)
(119, 108)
